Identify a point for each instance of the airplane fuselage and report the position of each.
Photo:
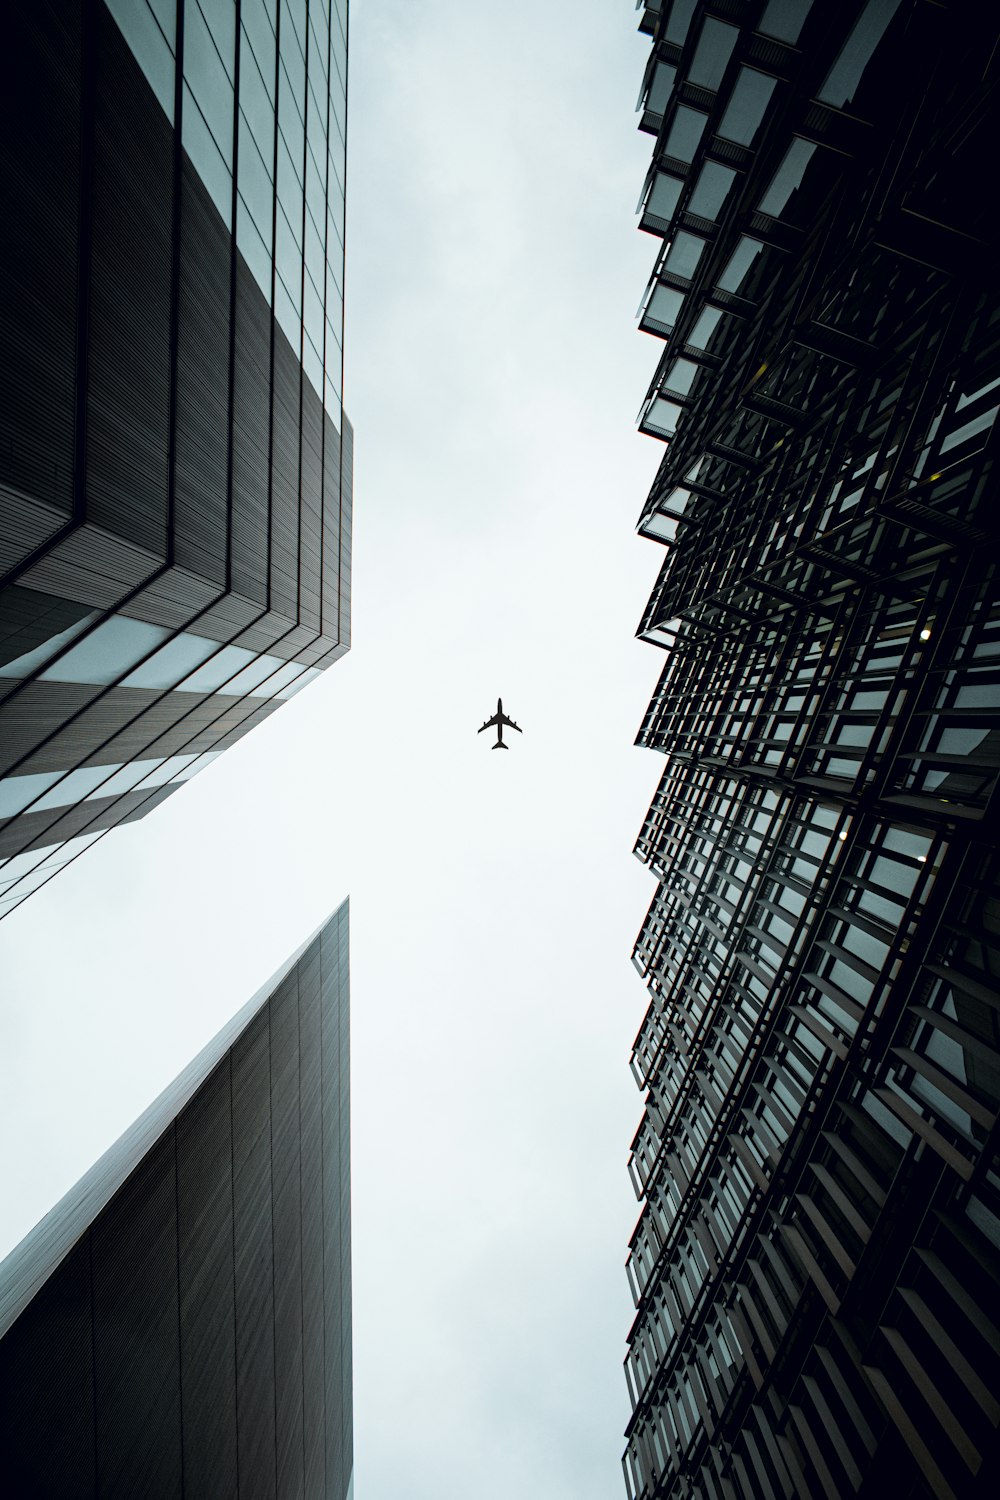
(499, 719)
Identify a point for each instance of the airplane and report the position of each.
(500, 719)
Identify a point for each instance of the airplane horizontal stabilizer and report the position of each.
(500, 746)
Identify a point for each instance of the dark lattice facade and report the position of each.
(180, 1324)
(816, 1266)
(175, 466)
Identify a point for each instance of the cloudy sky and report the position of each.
(493, 376)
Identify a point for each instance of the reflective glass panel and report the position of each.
(206, 158)
(309, 675)
(701, 334)
(680, 377)
(663, 415)
(75, 787)
(784, 19)
(222, 666)
(175, 660)
(747, 106)
(679, 20)
(788, 177)
(107, 652)
(845, 76)
(206, 75)
(715, 47)
(685, 133)
(23, 666)
(684, 254)
(151, 45)
(660, 87)
(17, 791)
(664, 197)
(664, 305)
(740, 264)
(711, 190)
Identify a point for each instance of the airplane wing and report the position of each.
(489, 724)
(510, 723)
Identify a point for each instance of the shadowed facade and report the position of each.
(181, 1322)
(175, 466)
(816, 1265)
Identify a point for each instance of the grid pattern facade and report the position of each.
(175, 466)
(180, 1324)
(816, 1265)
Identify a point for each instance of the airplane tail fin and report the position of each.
(500, 746)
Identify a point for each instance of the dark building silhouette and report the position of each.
(816, 1264)
(181, 1322)
(175, 466)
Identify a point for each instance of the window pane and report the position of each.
(255, 103)
(711, 190)
(701, 334)
(685, 133)
(254, 178)
(684, 254)
(847, 72)
(107, 652)
(16, 792)
(740, 263)
(747, 106)
(207, 160)
(787, 178)
(663, 199)
(175, 660)
(309, 675)
(23, 666)
(660, 87)
(664, 305)
(715, 47)
(222, 666)
(679, 20)
(680, 377)
(784, 19)
(208, 80)
(150, 47)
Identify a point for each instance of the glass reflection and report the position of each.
(847, 72)
(715, 46)
(107, 652)
(711, 190)
(788, 177)
(747, 106)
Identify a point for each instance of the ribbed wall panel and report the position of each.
(253, 1237)
(285, 420)
(200, 497)
(38, 261)
(251, 438)
(310, 514)
(47, 1376)
(136, 1345)
(172, 1250)
(207, 1290)
(128, 392)
(286, 1182)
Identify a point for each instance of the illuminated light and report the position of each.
(935, 476)
(925, 634)
(921, 859)
(842, 834)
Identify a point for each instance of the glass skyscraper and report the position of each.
(175, 465)
(816, 1264)
(180, 1324)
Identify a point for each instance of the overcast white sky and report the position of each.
(493, 376)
